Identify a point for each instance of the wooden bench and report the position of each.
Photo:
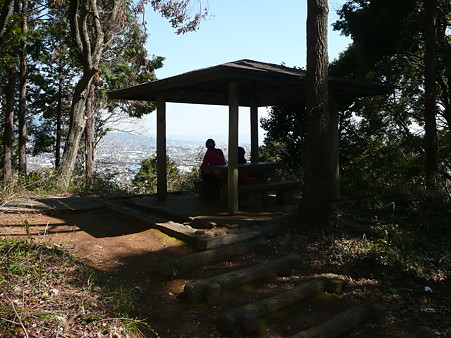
(251, 194)
(209, 190)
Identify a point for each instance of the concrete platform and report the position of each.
(205, 224)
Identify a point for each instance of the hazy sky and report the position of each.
(262, 30)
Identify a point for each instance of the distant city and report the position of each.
(119, 155)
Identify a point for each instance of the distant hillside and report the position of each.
(171, 139)
(116, 137)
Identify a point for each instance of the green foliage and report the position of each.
(101, 184)
(45, 183)
(284, 139)
(380, 163)
(42, 182)
(180, 14)
(145, 180)
(127, 63)
(386, 237)
(388, 46)
(425, 256)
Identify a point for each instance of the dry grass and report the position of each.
(46, 293)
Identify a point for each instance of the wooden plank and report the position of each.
(183, 265)
(196, 291)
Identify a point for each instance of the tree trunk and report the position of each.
(89, 133)
(430, 136)
(8, 128)
(317, 191)
(90, 44)
(5, 11)
(23, 95)
(59, 114)
(76, 127)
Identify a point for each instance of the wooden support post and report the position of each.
(254, 133)
(162, 188)
(334, 149)
(233, 148)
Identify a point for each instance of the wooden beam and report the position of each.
(231, 319)
(254, 133)
(187, 264)
(195, 292)
(343, 322)
(334, 149)
(233, 148)
(162, 188)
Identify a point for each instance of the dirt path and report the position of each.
(129, 249)
(107, 241)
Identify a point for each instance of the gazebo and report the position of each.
(244, 83)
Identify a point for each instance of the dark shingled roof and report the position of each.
(263, 84)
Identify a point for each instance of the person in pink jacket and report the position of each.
(213, 156)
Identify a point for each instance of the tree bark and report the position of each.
(430, 93)
(90, 44)
(8, 128)
(23, 95)
(76, 127)
(5, 11)
(59, 115)
(316, 201)
(89, 130)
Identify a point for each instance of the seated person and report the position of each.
(241, 153)
(243, 177)
(213, 156)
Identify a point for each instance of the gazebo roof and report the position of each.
(259, 83)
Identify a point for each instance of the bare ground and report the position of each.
(130, 250)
